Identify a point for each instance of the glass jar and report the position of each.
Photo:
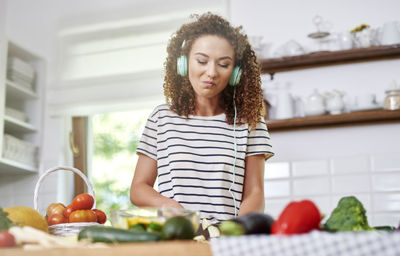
(392, 100)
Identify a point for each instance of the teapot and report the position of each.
(334, 102)
(314, 104)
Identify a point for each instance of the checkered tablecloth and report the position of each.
(313, 244)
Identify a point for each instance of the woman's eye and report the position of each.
(202, 62)
(224, 65)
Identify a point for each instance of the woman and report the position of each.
(208, 145)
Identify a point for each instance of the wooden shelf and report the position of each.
(327, 58)
(358, 117)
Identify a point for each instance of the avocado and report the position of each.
(177, 227)
(138, 227)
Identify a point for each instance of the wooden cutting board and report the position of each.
(174, 248)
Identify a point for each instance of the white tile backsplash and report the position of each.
(389, 162)
(275, 206)
(351, 183)
(386, 182)
(350, 164)
(310, 168)
(386, 202)
(275, 170)
(374, 180)
(385, 219)
(311, 186)
(277, 188)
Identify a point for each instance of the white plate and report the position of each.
(363, 108)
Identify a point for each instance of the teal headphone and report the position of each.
(182, 66)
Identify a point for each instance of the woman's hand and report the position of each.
(172, 204)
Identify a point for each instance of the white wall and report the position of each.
(35, 26)
(3, 7)
(327, 163)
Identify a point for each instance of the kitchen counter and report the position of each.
(175, 248)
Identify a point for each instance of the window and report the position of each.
(115, 137)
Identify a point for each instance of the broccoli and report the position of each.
(349, 215)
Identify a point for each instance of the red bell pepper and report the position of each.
(298, 217)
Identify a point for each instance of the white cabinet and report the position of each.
(21, 109)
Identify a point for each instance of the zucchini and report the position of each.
(116, 235)
(385, 228)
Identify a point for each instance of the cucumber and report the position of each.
(116, 235)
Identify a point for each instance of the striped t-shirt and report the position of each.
(195, 159)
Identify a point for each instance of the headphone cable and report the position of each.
(235, 154)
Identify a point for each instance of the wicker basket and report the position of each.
(66, 229)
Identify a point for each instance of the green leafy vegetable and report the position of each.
(5, 222)
(349, 215)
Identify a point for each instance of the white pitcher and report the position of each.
(282, 101)
(284, 105)
(390, 33)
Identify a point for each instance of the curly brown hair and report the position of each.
(180, 94)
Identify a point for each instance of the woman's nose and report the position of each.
(211, 70)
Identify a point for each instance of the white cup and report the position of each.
(345, 40)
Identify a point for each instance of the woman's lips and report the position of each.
(209, 83)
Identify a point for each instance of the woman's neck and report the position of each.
(207, 107)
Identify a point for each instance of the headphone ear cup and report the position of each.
(181, 65)
(235, 76)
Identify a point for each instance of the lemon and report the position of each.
(26, 216)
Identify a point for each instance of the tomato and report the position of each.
(67, 211)
(83, 216)
(6, 239)
(101, 216)
(83, 202)
(56, 219)
(55, 208)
